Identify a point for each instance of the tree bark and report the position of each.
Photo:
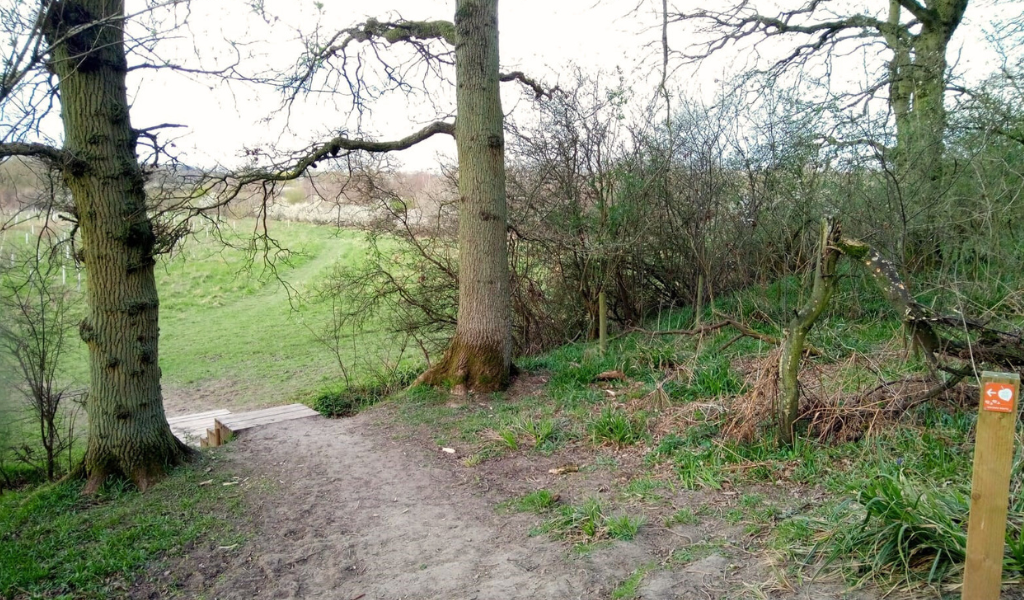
(479, 357)
(917, 96)
(796, 333)
(128, 432)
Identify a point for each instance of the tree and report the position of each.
(83, 43)
(916, 35)
(479, 355)
(35, 331)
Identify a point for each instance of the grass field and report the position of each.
(235, 332)
(241, 331)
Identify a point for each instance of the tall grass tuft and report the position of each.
(911, 532)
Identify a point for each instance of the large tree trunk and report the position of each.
(479, 357)
(917, 94)
(128, 433)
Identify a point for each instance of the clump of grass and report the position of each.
(624, 527)
(618, 427)
(643, 488)
(347, 401)
(536, 502)
(630, 587)
(700, 469)
(713, 380)
(683, 516)
(587, 523)
(908, 532)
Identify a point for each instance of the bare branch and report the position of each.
(538, 90)
(233, 184)
(54, 155)
(418, 34)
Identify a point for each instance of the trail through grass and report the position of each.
(248, 328)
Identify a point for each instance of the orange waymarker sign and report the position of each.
(998, 397)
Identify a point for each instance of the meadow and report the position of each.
(237, 328)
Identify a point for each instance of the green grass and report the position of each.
(617, 427)
(56, 543)
(629, 588)
(536, 502)
(241, 328)
(586, 523)
(224, 322)
(683, 516)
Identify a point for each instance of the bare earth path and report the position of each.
(343, 511)
(358, 515)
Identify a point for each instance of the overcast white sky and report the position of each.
(540, 37)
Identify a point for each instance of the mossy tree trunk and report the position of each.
(800, 326)
(917, 88)
(128, 432)
(479, 356)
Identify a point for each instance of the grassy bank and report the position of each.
(55, 543)
(682, 427)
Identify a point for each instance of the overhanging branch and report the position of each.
(55, 156)
(233, 184)
(417, 34)
(539, 91)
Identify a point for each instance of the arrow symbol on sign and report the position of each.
(991, 392)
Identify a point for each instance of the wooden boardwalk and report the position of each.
(213, 427)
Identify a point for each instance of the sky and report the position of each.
(223, 118)
(540, 37)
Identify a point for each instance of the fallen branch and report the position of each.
(745, 331)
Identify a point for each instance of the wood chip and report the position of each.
(207, 482)
(448, 450)
(562, 470)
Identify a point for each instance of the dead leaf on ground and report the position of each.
(611, 376)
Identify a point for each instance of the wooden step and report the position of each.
(235, 423)
(212, 428)
(191, 428)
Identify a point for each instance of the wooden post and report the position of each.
(602, 322)
(990, 486)
(213, 437)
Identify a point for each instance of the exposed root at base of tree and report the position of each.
(143, 474)
(467, 367)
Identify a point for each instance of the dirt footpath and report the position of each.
(343, 511)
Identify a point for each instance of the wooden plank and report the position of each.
(268, 414)
(238, 421)
(990, 485)
(270, 411)
(198, 416)
(239, 425)
(193, 422)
